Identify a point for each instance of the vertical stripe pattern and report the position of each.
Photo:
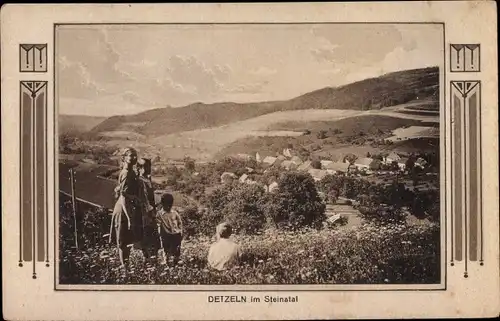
(467, 183)
(26, 172)
(457, 175)
(33, 163)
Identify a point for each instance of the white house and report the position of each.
(325, 163)
(245, 157)
(402, 163)
(392, 157)
(305, 166)
(272, 187)
(243, 178)
(287, 152)
(296, 160)
(317, 174)
(363, 163)
(335, 167)
(228, 177)
(288, 165)
(269, 160)
(420, 162)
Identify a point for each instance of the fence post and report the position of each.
(73, 201)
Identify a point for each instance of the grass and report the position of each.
(368, 254)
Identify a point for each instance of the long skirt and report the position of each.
(124, 222)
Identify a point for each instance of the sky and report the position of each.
(105, 70)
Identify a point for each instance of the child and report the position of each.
(170, 227)
(224, 253)
(149, 241)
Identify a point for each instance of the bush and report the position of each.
(316, 164)
(296, 202)
(239, 204)
(191, 218)
(245, 210)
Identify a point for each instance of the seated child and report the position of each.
(224, 253)
(170, 228)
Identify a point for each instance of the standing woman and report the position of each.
(150, 238)
(126, 207)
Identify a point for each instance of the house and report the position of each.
(317, 174)
(392, 157)
(280, 159)
(269, 160)
(88, 160)
(245, 157)
(335, 167)
(363, 163)
(296, 160)
(305, 166)
(243, 178)
(258, 158)
(228, 177)
(288, 165)
(420, 162)
(325, 163)
(402, 163)
(272, 187)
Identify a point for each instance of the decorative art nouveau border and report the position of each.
(33, 236)
(466, 216)
(466, 195)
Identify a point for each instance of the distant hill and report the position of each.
(339, 138)
(78, 123)
(375, 93)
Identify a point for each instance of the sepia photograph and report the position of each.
(257, 153)
(255, 161)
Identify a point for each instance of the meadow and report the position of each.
(368, 254)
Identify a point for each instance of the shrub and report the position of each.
(245, 209)
(239, 204)
(191, 218)
(296, 202)
(316, 164)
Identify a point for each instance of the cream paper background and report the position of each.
(25, 298)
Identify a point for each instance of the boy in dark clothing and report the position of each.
(170, 228)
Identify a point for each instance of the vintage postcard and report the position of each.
(250, 161)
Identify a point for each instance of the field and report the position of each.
(368, 254)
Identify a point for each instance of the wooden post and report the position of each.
(73, 201)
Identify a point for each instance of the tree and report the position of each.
(351, 158)
(297, 202)
(189, 163)
(375, 164)
(241, 205)
(321, 134)
(316, 164)
(410, 163)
